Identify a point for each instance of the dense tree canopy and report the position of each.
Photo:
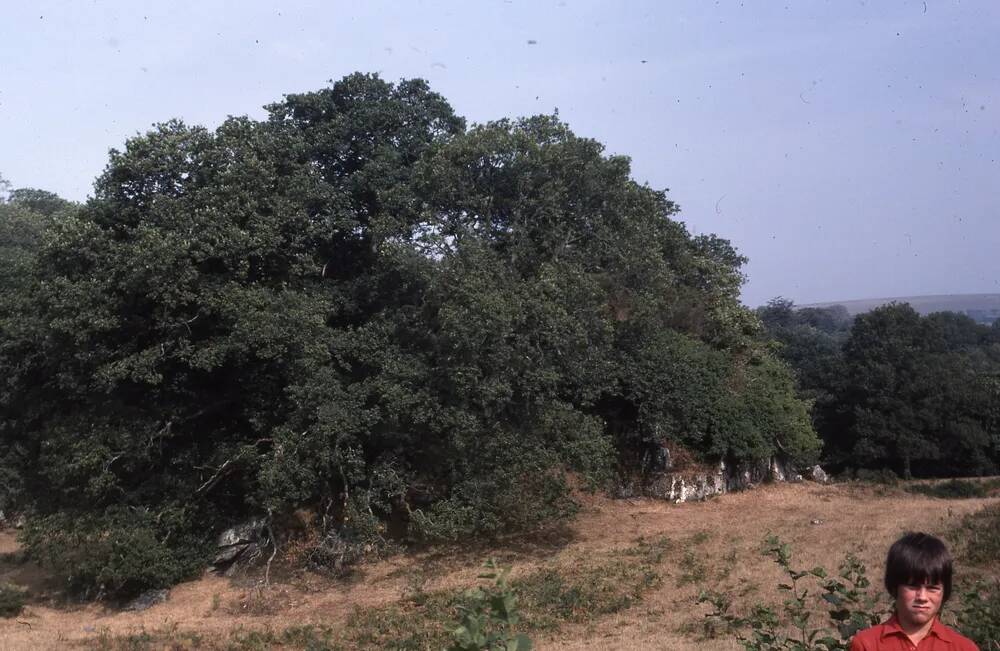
(892, 389)
(923, 392)
(361, 306)
(25, 215)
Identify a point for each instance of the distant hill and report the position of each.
(984, 308)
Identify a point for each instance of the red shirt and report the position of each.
(888, 636)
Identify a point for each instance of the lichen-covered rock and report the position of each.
(678, 486)
(247, 532)
(778, 470)
(242, 541)
(230, 553)
(818, 474)
(147, 599)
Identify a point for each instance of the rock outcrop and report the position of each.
(819, 475)
(699, 483)
(244, 542)
(147, 600)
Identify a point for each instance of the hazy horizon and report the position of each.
(979, 305)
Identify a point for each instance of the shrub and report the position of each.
(118, 554)
(884, 476)
(847, 597)
(952, 489)
(849, 603)
(979, 614)
(12, 599)
(377, 303)
(514, 490)
(488, 617)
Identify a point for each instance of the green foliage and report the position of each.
(810, 341)
(489, 617)
(846, 596)
(979, 616)
(12, 599)
(40, 202)
(849, 602)
(693, 569)
(897, 390)
(362, 307)
(512, 487)
(119, 553)
(689, 392)
(26, 216)
(308, 638)
(883, 476)
(951, 489)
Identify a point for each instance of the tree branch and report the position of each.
(214, 479)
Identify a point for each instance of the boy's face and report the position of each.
(917, 604)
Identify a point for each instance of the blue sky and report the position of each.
(850, 149)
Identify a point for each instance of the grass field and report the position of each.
(624, 575)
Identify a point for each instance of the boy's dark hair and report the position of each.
(915, 559)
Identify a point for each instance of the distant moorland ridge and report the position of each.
(984, 308)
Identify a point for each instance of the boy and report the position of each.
(918, 577)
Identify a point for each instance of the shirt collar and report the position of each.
(939, 630)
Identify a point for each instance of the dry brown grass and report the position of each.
(716, 544)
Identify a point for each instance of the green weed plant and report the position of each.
(796, 626)
(849, 603)
(489, 616)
